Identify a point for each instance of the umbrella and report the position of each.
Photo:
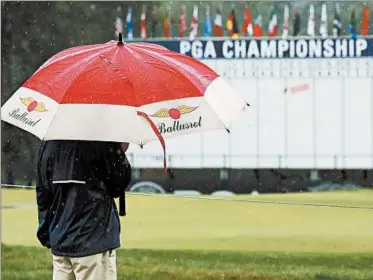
(122, 92)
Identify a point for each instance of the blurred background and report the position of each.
(28, 40)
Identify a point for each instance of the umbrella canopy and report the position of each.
(122, 92)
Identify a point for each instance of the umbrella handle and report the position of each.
(159, 135)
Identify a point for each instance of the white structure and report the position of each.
(306, 113)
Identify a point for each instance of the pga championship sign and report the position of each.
(272, 48)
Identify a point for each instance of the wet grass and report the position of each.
(172, 238)
(21, 263)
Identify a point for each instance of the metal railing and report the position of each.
(320, 161)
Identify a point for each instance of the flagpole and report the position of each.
(285, 119)
(230, 149)
(371, 110)
(221, 13)
(201, 139)
(169, 17)
(257, 123)
(343, 122)
(314, 126)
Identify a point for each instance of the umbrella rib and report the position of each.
(46, 64)
(115, 69)
(155, 56)
(217, 116)
(83, 67)
(169, 57)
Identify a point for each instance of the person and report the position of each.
(77, 182)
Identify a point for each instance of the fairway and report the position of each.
(156, 222)
(167, 238)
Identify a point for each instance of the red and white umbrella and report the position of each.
(122, 92)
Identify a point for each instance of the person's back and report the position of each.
(76, 184)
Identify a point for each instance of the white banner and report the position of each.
(305, 114)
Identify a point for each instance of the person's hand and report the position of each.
(124, 146)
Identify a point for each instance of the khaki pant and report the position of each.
(96, 267)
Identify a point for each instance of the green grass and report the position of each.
(175, 223)
(29, 263)
(173, 238)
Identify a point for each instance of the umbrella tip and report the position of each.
(120, 42)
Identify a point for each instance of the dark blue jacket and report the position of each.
(77, 182)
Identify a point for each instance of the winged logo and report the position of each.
(33, 105)
(174, 113)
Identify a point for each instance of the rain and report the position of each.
(272, 183)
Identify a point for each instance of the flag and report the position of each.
(311, 21)
(337, 25)
(352, 25)
(272, 26)
(207, 26)
(365, 22)
(285, 26)
(257, 31)
(218, 24)
(166, 25)
(118, 24)
(129, 24)
(247, 26)
(299, 88)
(143, 24)
(232, 25)
(154, 22)
(324, 22)
(182, 22)
(194, 25)
(296, 27)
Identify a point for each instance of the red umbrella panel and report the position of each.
(135, 92)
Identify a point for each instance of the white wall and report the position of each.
(328, 125)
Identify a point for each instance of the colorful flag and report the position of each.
(129, 24)
(285, 26)
(182, 22)
(257, 31)
(296, 27)
(207, 26)
(154, 22)
(352, 25)
(272, 26)
(166, 24)
(324, 22)
(337, 25)
(118, 24)
(143, 24)
(311, 21)
(247, 26)
(194, 25)
(365, 22)
(232, 25)
(218, 24)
